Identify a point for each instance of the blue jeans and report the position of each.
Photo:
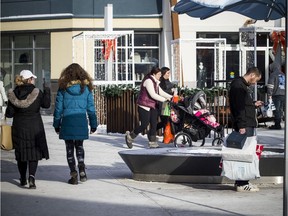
(279, 102)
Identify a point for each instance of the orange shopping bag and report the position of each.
(168, 136)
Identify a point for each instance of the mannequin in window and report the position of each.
(201, 76)
(24, 58)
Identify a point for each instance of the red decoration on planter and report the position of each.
(278, 37)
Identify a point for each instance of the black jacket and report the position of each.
(242, 106)
(28, 134)
(166, 86)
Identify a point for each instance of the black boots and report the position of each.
(31, 181)
(82, 173)
(74, 175)
(74, 178)
(23, 181)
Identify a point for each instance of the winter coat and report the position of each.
(151, 93)
(166, 85)
(71, 109)
(28, 133)
(242, 106)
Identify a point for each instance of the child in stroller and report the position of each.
(192, 122)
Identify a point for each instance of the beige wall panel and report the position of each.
(80, 23)
(36, 25)
(61, 52)
(88, 23)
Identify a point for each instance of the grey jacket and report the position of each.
(276, 83)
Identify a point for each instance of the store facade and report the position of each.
(38, 35)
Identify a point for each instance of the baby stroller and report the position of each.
(192, 122)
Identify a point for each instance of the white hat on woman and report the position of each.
(26, 74)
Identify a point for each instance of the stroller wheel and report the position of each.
(182, 140)
(217, 141)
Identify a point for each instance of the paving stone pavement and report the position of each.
(110, 189)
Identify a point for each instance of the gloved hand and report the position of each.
(92, 130)
(57, 130)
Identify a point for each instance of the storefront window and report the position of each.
(25, 41)
(146, 56)
(42, 41)
(25, 56)
(231, 37)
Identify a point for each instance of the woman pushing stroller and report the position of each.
(149, 96)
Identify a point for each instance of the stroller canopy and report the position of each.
(195, 102)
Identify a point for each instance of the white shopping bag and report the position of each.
(239, 170)
(245, 154)
(241, 164)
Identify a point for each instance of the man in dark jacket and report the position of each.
(243, 111)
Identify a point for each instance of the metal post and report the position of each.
(285, 200)
(108, 19)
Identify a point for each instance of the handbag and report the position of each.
(236, 140)
(166, 110)
(6, 137)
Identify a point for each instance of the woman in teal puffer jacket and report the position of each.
(74, 103)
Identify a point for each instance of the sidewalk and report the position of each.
(110, 189)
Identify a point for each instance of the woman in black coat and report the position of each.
(168, 87)
(28, 134)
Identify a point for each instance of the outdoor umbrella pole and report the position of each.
(285, 192)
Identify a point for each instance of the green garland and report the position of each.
(117, 90)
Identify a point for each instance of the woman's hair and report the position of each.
(154, 71)
(164, 70)
(75, 73)
(19, 80)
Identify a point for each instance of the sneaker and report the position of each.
(153, 145)
(275, 127)
(247, 188)
(128, 140)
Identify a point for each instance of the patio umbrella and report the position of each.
(257, 10)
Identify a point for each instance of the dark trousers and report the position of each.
(279, 102)
(250, 131)
(147, 118)
(70, 146)
(22, 167)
